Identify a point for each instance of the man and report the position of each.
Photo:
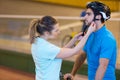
(100, 48)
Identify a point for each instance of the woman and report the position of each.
(48, 57)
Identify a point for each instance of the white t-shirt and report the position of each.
(44, 55)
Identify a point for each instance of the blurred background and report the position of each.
(15, 15)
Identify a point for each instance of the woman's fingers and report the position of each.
(92, 27)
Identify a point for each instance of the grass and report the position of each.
(67, 67)
(14, 60)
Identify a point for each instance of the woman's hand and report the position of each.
(91, 28)
(78, 36)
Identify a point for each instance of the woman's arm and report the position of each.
(67, 52)
(73, 40)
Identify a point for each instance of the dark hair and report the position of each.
(39, 26)
(100, 8)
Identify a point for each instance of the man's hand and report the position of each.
(68, 75)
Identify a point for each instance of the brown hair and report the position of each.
(39, 26)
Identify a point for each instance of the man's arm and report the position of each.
(101, 69)
(79, 61)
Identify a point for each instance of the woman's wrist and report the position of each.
(74, 39)
(88, 33)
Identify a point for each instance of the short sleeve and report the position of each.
(51, 51)
(107, 48)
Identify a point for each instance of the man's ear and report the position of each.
(98, 17)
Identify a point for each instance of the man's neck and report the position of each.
(99, 25)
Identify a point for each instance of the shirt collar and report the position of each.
(100, 30)
(40, 39)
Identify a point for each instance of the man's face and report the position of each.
(89, 16)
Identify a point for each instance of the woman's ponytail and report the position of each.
(32, 30)
(39, 26)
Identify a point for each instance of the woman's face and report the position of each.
(55, 32)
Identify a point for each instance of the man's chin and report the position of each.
(87, 24)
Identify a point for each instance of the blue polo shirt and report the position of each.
(101, 44)
(46, 64)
